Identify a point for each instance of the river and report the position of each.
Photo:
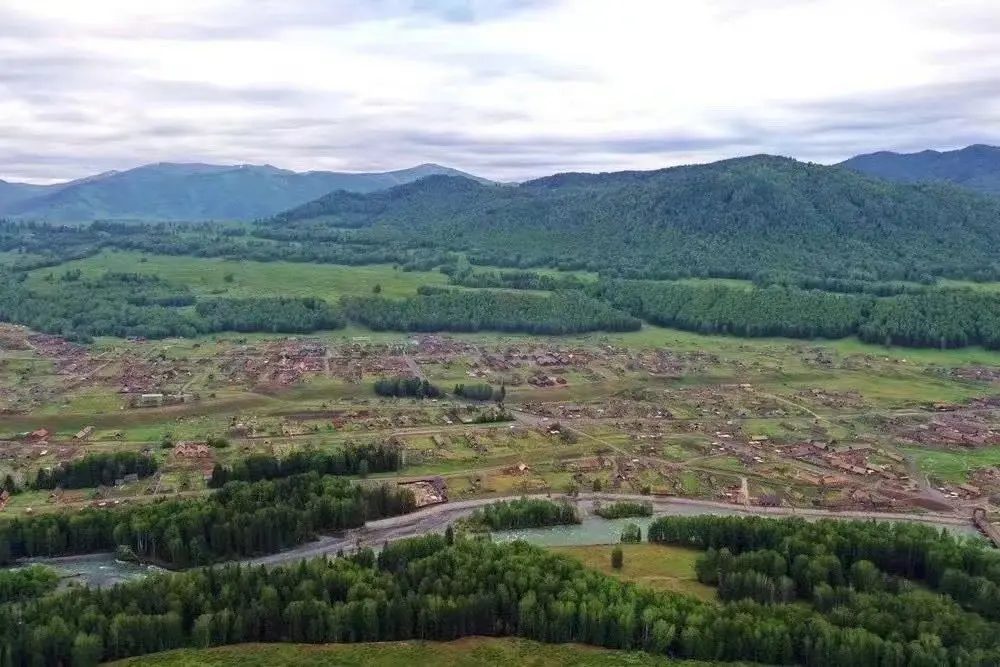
(104, 570)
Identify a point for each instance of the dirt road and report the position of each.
(436, 518)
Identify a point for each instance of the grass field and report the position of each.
(664, 568)
(953, 466)
(461, 653)
(208, 276)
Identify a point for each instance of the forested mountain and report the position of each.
(11, 193)
(168, 191)
(736, 218)
(974, 167)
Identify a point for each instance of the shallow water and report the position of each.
(104, 570)
(99, 570)
(595, 530)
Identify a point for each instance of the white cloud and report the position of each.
(506, 88)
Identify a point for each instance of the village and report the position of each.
(582, 417)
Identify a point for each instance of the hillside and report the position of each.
(11, 193)
(460, 653)
(192, 192)
(737, 218)
(974, 167)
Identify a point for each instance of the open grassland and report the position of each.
(242, 279)
(955, 465)
(663, 568)
(474, 651)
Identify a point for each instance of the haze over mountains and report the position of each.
(169, 191)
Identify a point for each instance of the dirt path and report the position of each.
(414, 367)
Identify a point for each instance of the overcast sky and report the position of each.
(508, 89)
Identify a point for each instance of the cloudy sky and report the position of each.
(508, 89)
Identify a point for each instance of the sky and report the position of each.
(507, 89)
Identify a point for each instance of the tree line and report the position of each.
(488, 310)
(101, 469)
(480, 392)
(131, 305)
(966, 571)
(623, 510)
(26, 582)
(351, 459)
(944, 318)
(241, 519)
(441, 588)
(522, 513)
(273, 314)
(844, 285)
(466, 276)
(401, 387)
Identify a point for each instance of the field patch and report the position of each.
(663, 568)
(245, 279)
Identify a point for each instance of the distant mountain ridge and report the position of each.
(193, 191)
(976, 167)
(737, 218)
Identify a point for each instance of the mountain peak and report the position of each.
(189, 191)
(976, 167)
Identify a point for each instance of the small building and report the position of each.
(970, 489)
(41, 435)
(769, 500)
(84, 433)
(148, 400)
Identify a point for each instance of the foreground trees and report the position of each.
(432, 589)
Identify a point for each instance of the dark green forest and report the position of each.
(132, 305)
(240, 519)
(26, 582)
(624, 510)
(522, 513)
(411, 387)
(934, 318)
(488, 310)
(351, 459)
(731, 219)
(791, 592)
(95, 470)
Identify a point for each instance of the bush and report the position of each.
(217, 442)
(624, 510)
(632, 534)
(617, 558)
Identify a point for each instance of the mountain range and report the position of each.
(174, 192)
(737, 218)
(194, 192)
(975, 167)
